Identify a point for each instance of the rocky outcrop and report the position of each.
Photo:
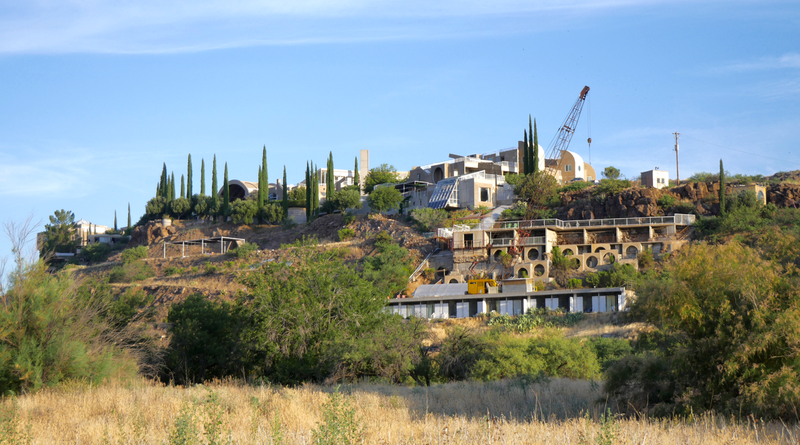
(151, 233)
(785, 194)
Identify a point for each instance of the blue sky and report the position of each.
(97, 94)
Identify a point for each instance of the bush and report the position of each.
(575, 283)
(133, 254)
(49, 334)
(346, 234)
(244, 250)
(575, 186)
(383, 199)
(610, 350)
(243, 211)
(611, 187)
(210, 269)
(130, 272)
(95, 253)
(172, 270)
(666, 201)
(428, 220)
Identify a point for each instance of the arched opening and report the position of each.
(538, 270)
(599, 249)
(609, 258)
(568, 252)
(533, 254)
(497, 256)
(631, 252)
(236, 192)
(440, 273)
(591, 262)
(522, 273)
(453, 281)
(576, 263)
(438, 175)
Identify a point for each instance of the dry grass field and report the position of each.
(458, 413)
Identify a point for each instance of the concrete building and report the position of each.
(571, 166)
(453, 301)
(595, 244)
(655, 178)
(759, 190)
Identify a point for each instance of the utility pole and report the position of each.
(677, 164)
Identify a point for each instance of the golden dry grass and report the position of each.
(458, 413)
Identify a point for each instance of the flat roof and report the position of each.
(504, 295)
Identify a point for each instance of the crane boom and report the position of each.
(564, 135)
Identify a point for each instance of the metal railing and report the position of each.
(679, 219)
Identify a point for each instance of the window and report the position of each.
(484, 194)
(579, 168)
(568, 168)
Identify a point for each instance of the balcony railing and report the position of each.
(678, 219)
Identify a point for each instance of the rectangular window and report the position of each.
(484, 194)
(568, 168)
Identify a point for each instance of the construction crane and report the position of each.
(556, 147)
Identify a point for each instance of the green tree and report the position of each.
(298, 194)
(346, 198)
(183, 189)
(722, 190)
(156, 207)
(384, 199)
(243, 211)
(202, 176)
(214, 191)
(129, 216)
(189, 178)
(383, 174)
(164, 184)
(330, 187)
(730, 321)
(179, 208)
(309, 203)
(535, 149)
(226, 196)
(526, 160)
(285, 188)
(172, 187)
(203, 340)
(115, 221)
(48, 335)
(302, 309)
(611, 172)
(60, 233)
(356, 177)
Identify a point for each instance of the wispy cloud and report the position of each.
(788, 60)
(157, 26)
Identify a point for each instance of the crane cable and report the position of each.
(589, 124)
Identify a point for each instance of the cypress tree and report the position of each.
(721, 189)
(308, 194)
(214, 194)
(172, 187)
(329, 185)
(163, 184)
(535, 148)
(525, 157)
(202, 176)
(260, 200)
(285, 195)
(189, 179)
(115, 221)
(531, 148)
(264, 174)
(129, 216)
(183, 190)
(226, 196)
(356, 178)
(316, 190)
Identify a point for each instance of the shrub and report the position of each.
(130, 272)
(288, 223)
(574, 283)
(172, 270)
(684, 207)
(339, 423)
(666, 201)
(95, 253)
(346, 234)
(610, 187)
(133, 254)
(610, 350)
(210, 268)
(243, 211)
(428, 219)
(244, 250)
(383, 199)
(575, 186)
(50, 334)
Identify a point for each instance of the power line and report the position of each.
(735, 149)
